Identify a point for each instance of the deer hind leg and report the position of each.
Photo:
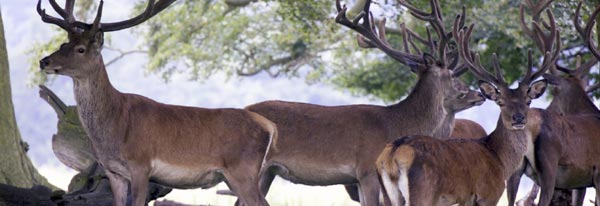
(118, 186)
(389, 188)
(243, 181)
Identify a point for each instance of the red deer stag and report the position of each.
(462, 128)
(137, 139)
(564, 156)
(326, 145)
(428, 171)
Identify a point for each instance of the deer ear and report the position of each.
(489, 90)
(537, 89)
(552, 79)
(99, 39)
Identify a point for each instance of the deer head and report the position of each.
(513, 102)
(438, 69)
(459, 101)
(82, 54)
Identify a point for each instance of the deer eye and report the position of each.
(81, 50)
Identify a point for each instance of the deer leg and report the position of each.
(547, 175)
(578, 196)
(512, 185)
(244, 183)
(596, 180)
(118, 186)
(369, 188)
(389, 189)
(139, 185)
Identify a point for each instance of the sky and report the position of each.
(37, 120)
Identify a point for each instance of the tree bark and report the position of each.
(16, 168)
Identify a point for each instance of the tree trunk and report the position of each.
(15, 167)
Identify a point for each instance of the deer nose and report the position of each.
(44, 62)
(518, 118)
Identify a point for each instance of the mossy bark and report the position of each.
(16, 168)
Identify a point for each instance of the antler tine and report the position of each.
(96, 24)
(584, 69)
(436, 20)
(151, 10)
(589, 39)
(497, 70)
(549, 61)
(593, 88)
(577, 21)
(53, 20)
(473, 62)
(370, 38)
(67, 13)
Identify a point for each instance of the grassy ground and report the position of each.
(284, 193)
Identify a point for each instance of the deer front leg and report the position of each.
(139, 184)
(596, 181)
(512, 185)
(547, 167)
(118, 186)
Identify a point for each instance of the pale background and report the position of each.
(37, 121)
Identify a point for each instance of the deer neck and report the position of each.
(573, 102)
(447, 125)
(509, 146)
(98, 102)
(422, 107)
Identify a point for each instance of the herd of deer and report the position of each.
(430, 158)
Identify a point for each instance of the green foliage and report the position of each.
(294, 38)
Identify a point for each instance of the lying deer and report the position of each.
(137, 139)
(566, 157)
(428, 171)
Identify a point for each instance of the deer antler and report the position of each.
(474, 63)
(436, 20)
(68, 21)
(586, 32)
(373, 35)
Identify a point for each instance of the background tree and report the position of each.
(288, 38)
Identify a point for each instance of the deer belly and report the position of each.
(185, 177)
(317, 174)
(573, 177)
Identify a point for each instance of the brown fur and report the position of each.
(464, 128)
(324, 145)
(464, 171)
(137, 139)
(571, 131)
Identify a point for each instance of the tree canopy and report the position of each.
(300, 39)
